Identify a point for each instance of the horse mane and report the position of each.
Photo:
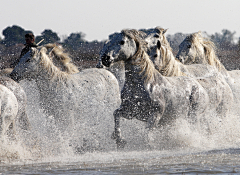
(64, 58)
(170, 64)
(47, 64)
(145, 63)
(211, 58)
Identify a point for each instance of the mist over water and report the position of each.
(88, 142)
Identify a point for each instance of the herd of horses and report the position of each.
(157, 87)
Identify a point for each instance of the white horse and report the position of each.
(196, 49)
(220, 93)
(172, 67)
(9, 110)
(65, 93)
(147, 95)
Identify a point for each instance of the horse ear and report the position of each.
(158, 44)
(165, 30)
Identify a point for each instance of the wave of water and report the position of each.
(89, 147)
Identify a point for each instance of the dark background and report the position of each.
(85, 54)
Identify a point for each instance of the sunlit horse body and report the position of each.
(196, 49)
(219, 92)
(8, 115)
(147, 95)
(64, 91)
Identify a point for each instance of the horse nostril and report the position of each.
(106, 60)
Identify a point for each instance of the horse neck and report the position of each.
(49, 75)
(140, 71)
(171, 67)
(132, 73)
(200, 57)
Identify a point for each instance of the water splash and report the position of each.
(91, 136)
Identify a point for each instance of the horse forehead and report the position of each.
(31, 53)
(185, 42)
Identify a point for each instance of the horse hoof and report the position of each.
(121, 143)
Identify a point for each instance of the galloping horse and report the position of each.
(65, 92)
(147, 95)
(196, 49)
(219, 92)
(172, 67)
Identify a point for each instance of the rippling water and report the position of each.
(175, 150)
(139, 162)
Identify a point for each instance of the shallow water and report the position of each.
(134, 162)
(89, 149)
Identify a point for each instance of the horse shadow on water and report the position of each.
(159, 100)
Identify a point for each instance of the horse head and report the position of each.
(121, 47)
(157, 56)
(154, 36)
(27, 65)
(38, 62)
(196, 49)
(191, 50)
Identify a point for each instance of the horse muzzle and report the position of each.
(14, 76)
(106, 60)
(180, 58)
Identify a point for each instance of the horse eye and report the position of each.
(189, 46)
(155, 56)
(122, 42)
(156, 36)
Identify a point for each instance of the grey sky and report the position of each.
(99, 18)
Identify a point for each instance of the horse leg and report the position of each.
(117, 133)
(153, 120)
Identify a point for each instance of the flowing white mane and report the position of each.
(210, 56)
(48, 65)
(171, 66)
(144, 62)
(64, 58)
